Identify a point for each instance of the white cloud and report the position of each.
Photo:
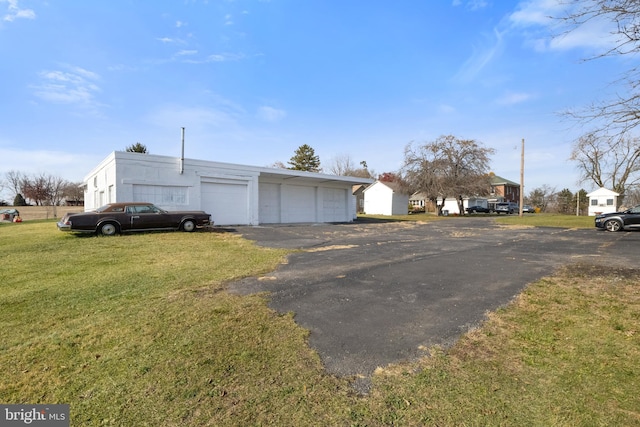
(15, 12)
(514, 98)
(270, 114)
(187, 52)
(217, 57)
(541, 25)
(73, 86)
(471, 4)
(481, 57)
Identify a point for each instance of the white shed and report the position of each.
(232, 194)
(385, 198)
(602, 201)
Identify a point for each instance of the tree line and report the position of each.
(42, 189)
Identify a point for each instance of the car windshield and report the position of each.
(103, 208)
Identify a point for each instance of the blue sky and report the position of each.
(252, 80)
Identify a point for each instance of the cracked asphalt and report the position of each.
(375, 293)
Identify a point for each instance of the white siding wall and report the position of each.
(400, 204)
(382, 200)
(378, 200)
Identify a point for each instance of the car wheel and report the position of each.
(188, 226)
(108, 229)
(613, 225)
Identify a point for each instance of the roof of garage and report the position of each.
(293, 176)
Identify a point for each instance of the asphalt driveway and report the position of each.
(374, 293)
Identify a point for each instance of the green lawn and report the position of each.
(138, 330)
(534, 220)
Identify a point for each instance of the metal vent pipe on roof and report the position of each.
(182, 154)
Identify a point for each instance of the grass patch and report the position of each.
(547, 220)
(564, 353)
(139, 330)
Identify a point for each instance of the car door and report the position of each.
(633, 217)
(151, 217)
(143, 217)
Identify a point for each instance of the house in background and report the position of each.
(602, 201)
(503, 190)
(358, 193)
(451, 205)
(232, 194)
(385, 198)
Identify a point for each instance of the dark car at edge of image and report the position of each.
(114, 218)
(477, 209)
(618, 221)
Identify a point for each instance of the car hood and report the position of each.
(605, 215)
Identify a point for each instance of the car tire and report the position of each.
(613, 225)
(108, 229)
(188, 226)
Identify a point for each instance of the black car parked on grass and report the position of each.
(618, 221)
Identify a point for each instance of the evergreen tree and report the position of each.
(137, 148)
(305, 159)
(19, 200)
(566, 204)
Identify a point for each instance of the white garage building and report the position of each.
(232, 194)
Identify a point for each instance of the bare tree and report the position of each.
(343, 165)
(612, 162)
(542, 197)
(448, 167)
(73, 192)
(633, 196)
(278, 165)
(620, 114)
(15, 180)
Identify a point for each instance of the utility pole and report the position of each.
(522, 179)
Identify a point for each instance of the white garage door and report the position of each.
(334, 205)
(298, 204)
(269, 203)
(227, 202)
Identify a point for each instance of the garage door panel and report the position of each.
(269, 203)
(334, 207)
(226, 202)
(298, 204)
